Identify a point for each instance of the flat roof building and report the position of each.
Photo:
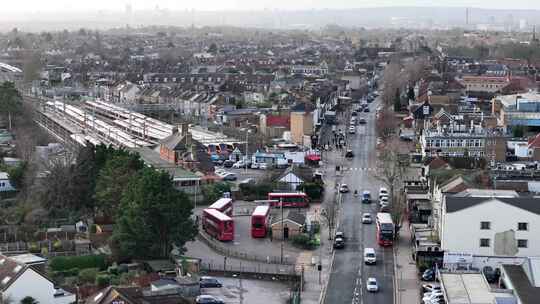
(470, 288)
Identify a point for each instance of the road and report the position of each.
(349, 273)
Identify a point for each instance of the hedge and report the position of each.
(80, 262)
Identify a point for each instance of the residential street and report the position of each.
(349, 273)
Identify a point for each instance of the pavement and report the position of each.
(349, 273)
(407, 281)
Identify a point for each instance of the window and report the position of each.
(485, 225)
(484, 242)
(522, 243)
(523, 226)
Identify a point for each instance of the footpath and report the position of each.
(407, 285)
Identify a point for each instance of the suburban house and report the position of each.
(294, 176)
(137, 295)
(490, 223)
(19, 280)
(302, 123)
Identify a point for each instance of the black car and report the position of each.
(428, 275)
(366, 110)
(209, 282)
(339, 243)
(208, 299)
(362, 121)
(349, 154)
(354, 113)
(228, 163)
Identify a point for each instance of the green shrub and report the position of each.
(113, 270)
(88, 275)
(93, 228)
(302, 241)
(81, 262)
(103, 280)
(313, 190)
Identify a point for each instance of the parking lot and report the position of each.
(239, 291)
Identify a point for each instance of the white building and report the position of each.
(5, 185)
(18, 281)
(500, 225)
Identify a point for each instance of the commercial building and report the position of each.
(517, 109)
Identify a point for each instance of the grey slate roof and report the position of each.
(455, 203)
(527, 293)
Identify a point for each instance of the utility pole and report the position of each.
(246, 157)
(282, 229)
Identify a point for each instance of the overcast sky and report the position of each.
(67, 5)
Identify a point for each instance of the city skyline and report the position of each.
(27, 6)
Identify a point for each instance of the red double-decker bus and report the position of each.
(260, 220)
(385, 229)
(218, 225)
(290, 199)
(223, 205)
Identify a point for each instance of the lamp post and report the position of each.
(282, 229)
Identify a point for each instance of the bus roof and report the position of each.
(218, 215)
(287, 194)
(384, 218)
(220, 203)
(261, 210)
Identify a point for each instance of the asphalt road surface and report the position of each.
(349, 273)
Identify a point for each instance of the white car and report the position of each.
(383, 192)
(220, 171)
(371, 285)
(255, 165)
(434, 298)
(344, 188)
(263, 166)
(352, 130)
(241, 164)
(384, 200)
(366, 218)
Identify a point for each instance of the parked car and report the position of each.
(352, 130)
(263, 166)
(343, 188)
(349, 154)
(428, 275)
(340, 234)
(208, 299)
(383, 192)
(254, 165)
(209, 282)
(220, 171)
(228, 163)
(435, 298)
(242, 164)
(229, 177)
(354, 114)
(362, 121)
(430, 287)
(372, 285)
(492, 275)
(366, 218)
(339, 243)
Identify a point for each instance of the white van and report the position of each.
(370, 257)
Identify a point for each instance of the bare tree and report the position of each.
(414, 70)
(386, 124)
(390, 171)
(393, 80)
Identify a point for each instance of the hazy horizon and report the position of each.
(34, 6)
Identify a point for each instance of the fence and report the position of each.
(216, 246)
(248, 268)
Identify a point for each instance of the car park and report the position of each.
(209, 282)
(339, 243)
(366, 218)
(343, 188)
(372, 285)
(208, 299)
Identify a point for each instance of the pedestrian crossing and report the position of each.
(361, 169)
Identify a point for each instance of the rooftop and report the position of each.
(468, 288)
